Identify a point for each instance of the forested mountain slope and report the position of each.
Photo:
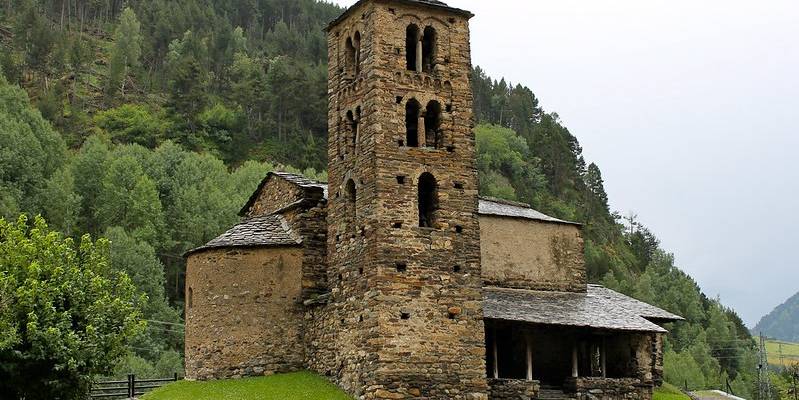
(151, 125)
(782, 323)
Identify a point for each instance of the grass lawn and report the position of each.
(669, 392)
(296, 386)
(790, 352)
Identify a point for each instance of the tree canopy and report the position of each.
(65, 314)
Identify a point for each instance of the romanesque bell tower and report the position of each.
(403, 236)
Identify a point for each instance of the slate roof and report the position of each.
(309, 185)
(429, 3)
(598, 308)
(270, 230)
(512, 209)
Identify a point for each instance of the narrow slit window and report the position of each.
(412, 111)
(428, 200)
(191, 298)
(429, 43)
(432, 125)
(352, 194)
(352, 127)
(413, 49)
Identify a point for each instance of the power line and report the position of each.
(163, 323)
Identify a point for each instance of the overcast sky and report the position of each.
(690, 108)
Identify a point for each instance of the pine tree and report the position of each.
(126, 51)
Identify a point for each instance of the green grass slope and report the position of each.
(295, 386)
(782, 353)
(669, 392)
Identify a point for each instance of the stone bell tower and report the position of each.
(403, 236)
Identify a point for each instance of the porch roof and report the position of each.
(597, 308)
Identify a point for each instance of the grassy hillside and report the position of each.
(669, 392)
(788, 351)
(296, 386)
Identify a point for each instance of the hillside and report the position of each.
(152, 125)
(782, 323)
(782, 353)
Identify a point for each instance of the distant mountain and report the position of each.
(783, 322)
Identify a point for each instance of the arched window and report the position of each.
(428, 200)
(190, 299)
(429, 43)
(349, 58)
(432, 125)
(352, 195)
(412, 114)
(413, 48)
(357, 56)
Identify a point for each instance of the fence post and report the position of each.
(176, 376)
(130, 386)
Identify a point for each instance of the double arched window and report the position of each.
(420, 48)
(423, 126)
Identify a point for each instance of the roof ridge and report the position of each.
(505, 201)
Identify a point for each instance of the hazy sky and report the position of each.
(690, 108)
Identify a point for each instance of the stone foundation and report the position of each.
(513, 389)
(610, 389)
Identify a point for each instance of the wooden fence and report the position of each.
(127, 389)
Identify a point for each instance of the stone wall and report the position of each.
(610, 389)
(528, 254)
(276, 194)
(513, 389)
(404, 318)
(243, 315)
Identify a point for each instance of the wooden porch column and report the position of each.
(528, 342)
(496, 355)
(575, 372)
(603, 355)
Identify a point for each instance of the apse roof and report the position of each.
(269, 230)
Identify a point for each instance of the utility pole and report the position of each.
(763, 381)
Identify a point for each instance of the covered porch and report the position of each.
(563, 357)
(584, 345)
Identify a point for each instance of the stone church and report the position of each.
(395, 279)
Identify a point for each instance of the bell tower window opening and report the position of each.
(349, 58)
(428, 200)
(413, 48)
(412, 115)
(432, 125)
(357, 56)
(429, 43)
(351, 196)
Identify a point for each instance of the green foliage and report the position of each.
(65, 315)
(125, 51)
(134, 123)
(30, 152)
(295, 386)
